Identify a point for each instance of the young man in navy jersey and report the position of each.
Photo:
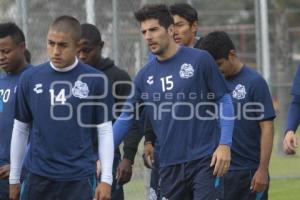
(248, 177)
(13, 62)
(170, 89)
(290, 142)
(65, 102)
(185, 33)
(90, 50)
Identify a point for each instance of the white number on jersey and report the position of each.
(60, 98)
(5, 95)
(167, 83)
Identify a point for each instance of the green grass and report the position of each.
(284, 190)
(135, 190)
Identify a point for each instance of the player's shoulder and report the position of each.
(148, 66)
(252, 72)
(194, 51)
(256, 79)
(31, 70)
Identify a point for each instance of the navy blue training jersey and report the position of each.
(179, 95)
(296, 83)
(8, 87)
(63, 108)
(249, 91)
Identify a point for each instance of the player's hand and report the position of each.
(290, 143)
(221, 160)
(124, 171)
(14, 191)
(4, 171)
(103, 191)
(260, 180)
(148, 155)
(98, 169)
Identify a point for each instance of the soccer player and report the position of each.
(65, 102)
(185, 24)
(181, 90)
(253, 133)
(13, 62)
(90, 49)
(185, 33)
(290, 142)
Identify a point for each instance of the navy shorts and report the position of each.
(190, 180)
(37, 187)
(237, 186)
(4, 189)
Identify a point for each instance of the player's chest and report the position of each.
(240, 91)
(171, 79)
(7, 91)
(58, 92)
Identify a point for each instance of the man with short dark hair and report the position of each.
(185, 24)
(253, 133)
(185, 33)
(90, 52)
(13, 63)
(189, 144)
(66, 103)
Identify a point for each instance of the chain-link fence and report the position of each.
(124, 44)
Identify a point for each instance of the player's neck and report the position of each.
(237, 68)
(65, 69)
(170, 51)
(20, 67)
(192, 42)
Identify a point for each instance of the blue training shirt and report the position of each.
(63, 108)
(249, 91)
(180, 96)
(296, 83)
(293, 119)
(8, 87)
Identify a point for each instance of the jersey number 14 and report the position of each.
(59, 99)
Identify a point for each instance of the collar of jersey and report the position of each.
(65, 69)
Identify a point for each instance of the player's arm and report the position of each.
(261, 178)
(106, 157)
(222, 155)
(125, 121)
(19, 140)
(290, 140)
(150, 138)
(131, 142)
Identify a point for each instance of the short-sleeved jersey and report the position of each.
(64, 109)
(180, 96)
(296, 83)
(252, 103)
(8, 88)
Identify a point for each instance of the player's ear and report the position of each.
(194, 27)
(101, 44)
(232, 54)
(22, 46)
(171, 30)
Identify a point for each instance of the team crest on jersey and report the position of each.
(38, 88)
(150, 80)
(80, 90)
(239, 92)
(186, 71)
